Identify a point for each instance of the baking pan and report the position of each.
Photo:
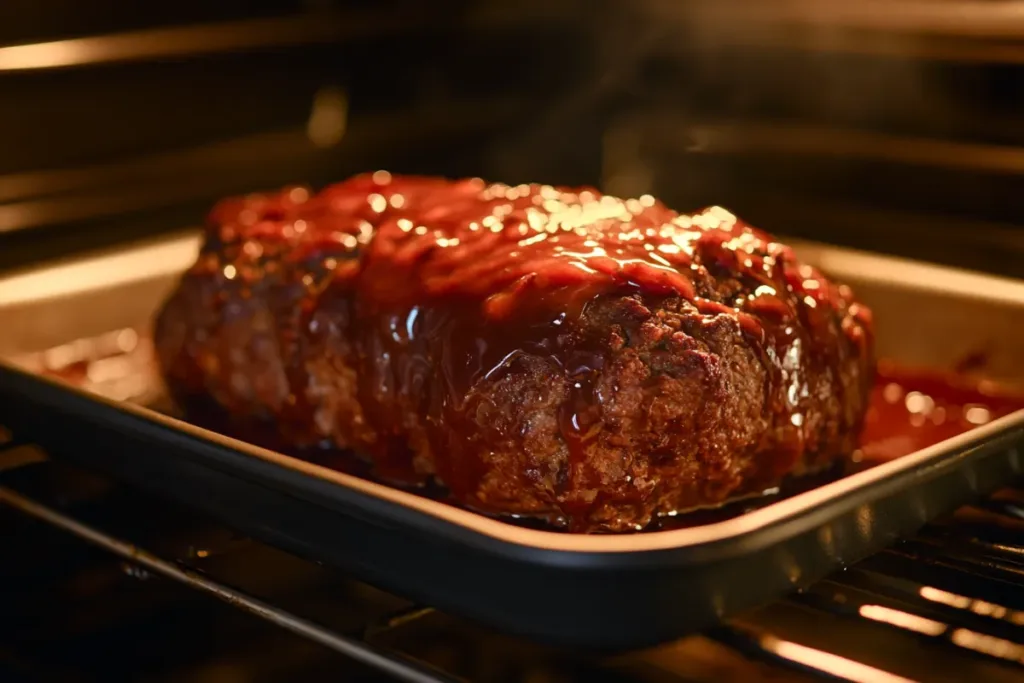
(611, 591)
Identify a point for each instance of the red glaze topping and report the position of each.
(424, 295)
(429, 238)
(442, 285)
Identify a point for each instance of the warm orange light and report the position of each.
(901, 619)
(829, 663)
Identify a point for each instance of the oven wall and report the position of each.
(130, 121)
(890, 126)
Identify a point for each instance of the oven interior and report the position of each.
(890, 127)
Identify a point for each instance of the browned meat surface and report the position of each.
(591, 361)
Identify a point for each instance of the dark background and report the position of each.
(875, 129)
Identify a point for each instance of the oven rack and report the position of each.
(947, 604)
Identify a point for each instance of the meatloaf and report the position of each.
(591, 361)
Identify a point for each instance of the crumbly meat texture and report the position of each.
(684, 405)
(678, 408)
(240, 357)
(677, 416)
(685, 412)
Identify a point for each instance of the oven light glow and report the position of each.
(47, 55)
(982, 607)
(895, 617)
(829, 663)
(990, 645)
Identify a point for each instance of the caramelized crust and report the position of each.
(559, 354)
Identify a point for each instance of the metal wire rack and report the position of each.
(101, 582)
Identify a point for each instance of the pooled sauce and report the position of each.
(913, 409)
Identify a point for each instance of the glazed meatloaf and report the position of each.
(591, 361)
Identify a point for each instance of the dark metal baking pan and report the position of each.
(593, 591)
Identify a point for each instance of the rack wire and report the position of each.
(947, 604)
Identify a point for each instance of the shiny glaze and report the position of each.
(911, 409)
(514, 268)
(443, 285)
(501, 245)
